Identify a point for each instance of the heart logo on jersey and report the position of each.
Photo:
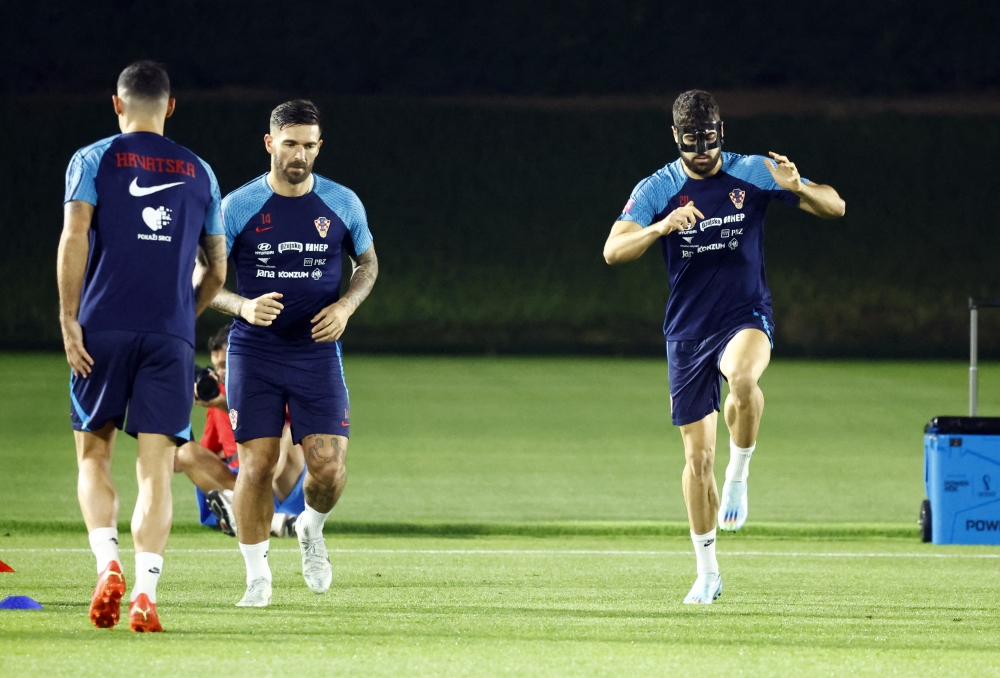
(156, 218)
(322, 225)
(737, 195)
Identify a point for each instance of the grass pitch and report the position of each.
(513, 440)
(517, 449)
(522, 606)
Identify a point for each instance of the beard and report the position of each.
(288, 171)
(701, 167)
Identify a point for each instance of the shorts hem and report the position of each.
(684, 420)
(243, 439)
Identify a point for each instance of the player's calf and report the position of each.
(326, 457)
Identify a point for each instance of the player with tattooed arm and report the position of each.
(286, 232)
(137, 208)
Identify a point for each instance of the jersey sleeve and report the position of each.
(345, 204)
(213, 216)
(82, 172)
(753, 169)
(639, 208)
(651, 197)
(240, 206)
(359, 238)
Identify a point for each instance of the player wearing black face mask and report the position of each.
(707, 211)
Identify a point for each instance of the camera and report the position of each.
(206, 385)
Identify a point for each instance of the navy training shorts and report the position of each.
(693, 369)
(146, 376)
(260, 382)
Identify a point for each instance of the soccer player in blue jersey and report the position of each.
(706, 209)
(286, 232)
(137, 208)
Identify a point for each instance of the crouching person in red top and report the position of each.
(212, 464)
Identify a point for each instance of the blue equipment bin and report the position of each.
(962, 477)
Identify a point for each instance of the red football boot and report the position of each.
(105, 606)
(142, 616)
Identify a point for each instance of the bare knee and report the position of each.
(192, 455)
(700, 461)
(184, 458)
(257, 468)
(742, 388)
(326, 457)
(330, 474)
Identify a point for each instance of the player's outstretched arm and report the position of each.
(818, 199)
(71, 267)
(330, 323)
(628, 240)
(260, 311)
(212, 271)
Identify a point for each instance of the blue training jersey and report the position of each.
(293, 246)
(152, 201)
(716, 268)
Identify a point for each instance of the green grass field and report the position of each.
(524, 516)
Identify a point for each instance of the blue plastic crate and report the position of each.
(962, 477)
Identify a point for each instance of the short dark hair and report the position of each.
(219, 340)
(694, 108)
(146, 80)
(295, 112)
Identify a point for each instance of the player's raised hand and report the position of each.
(330, 323)
(76, 354)
(784, 171)
(681, 219)
(263, 310)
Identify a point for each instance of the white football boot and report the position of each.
(733, 505)
(258, 594)
(316, 568)
(707, 587)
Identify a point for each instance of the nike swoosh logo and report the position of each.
(345, 423)
(138, 191)
(261, 230)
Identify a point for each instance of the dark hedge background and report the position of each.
(490, 222)
(553, 47)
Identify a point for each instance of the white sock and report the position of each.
(148, 567)
(311, 522)
(704, 551)
(104, 544)
(739, 461)
(255, 556)
(277, 523)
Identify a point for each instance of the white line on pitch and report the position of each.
(556, 552)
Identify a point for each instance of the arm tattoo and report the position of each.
(210, 266)
(362, 279)
(215, 250)
(227, 302)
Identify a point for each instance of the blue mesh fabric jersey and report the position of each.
(716, 268)
(152, 200)
(293, 246)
